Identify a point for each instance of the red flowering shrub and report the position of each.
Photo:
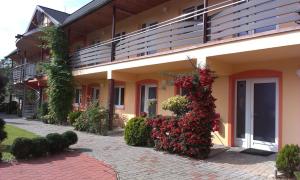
(190, 134)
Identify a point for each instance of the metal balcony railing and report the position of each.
(224, 20)
(23, 72)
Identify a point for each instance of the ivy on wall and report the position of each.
(59, 73)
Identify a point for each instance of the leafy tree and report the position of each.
(3, 80)
(60, 88)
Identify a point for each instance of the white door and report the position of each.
(148, 99)
(256, 115)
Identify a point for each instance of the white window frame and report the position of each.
(80, 96)
(94, 90)
(119, 105)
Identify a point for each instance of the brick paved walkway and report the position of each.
(146, 163)
(67, 166)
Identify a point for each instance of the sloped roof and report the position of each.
(85, 10)
(57, 15)
(12, 53)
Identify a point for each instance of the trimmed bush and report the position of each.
(57, 143)
(3, 134)
(40, 147)
(137, 132)
(288, 159)
(177, 104)
(71, 137)
(21, 148)
(72, 116)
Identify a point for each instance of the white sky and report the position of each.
(15, 16)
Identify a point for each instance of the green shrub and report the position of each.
(48, 119)
(137, 133)
(177, 104)
(288, 159)
(40, 147)
(3, 134)
(57, 143)
(71, 137)
(93, 120)
(43, 110)
(297, 174)
(21, 148)
(72, 116)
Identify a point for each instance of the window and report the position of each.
(95, 94)
(183, 92)
(119, 96)
(77, 96)
(119, 35)
(192, 9)
(147, 26)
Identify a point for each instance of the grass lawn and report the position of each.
(13, 133)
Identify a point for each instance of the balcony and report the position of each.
(225, 20)
(23, 73)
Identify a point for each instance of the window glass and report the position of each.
(119, 96)
(241, 109)
(95, 94)
(192, 15)
(122, 96)
(143, 99)
(77, 96)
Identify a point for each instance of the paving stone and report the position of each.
(66, 166)
(146, 163)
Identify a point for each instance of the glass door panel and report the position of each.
(152, 101)
(241, 109)
(264, 115)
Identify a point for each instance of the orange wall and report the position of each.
(290, 96)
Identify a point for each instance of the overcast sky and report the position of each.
(15, 16)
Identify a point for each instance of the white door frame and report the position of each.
(248, 141)
(147, 86)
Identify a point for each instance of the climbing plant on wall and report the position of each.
(59, 73)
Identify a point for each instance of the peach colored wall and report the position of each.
(220, 92)
(291, 93)
(165, 90)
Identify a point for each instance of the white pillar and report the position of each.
(201, 61)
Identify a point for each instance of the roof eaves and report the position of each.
(12, 53)
(85, 10)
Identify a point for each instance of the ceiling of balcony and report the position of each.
(103, 16)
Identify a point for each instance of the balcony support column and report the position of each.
(205, 18)
(111, 104)
(113, 33)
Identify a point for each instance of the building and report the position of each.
(121, 50)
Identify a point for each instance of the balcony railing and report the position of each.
(224, 20)
(23, 72)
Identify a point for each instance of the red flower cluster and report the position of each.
(191, 134)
